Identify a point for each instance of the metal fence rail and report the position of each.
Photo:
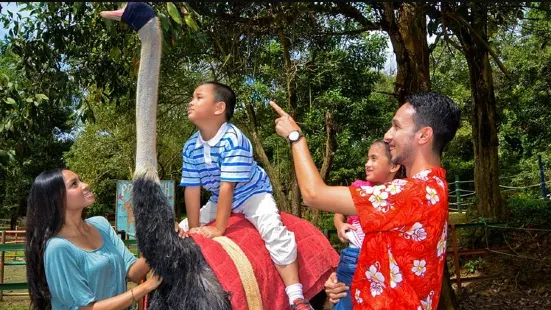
(9, 247)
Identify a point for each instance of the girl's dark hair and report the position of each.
(45, 217)
(401, 173)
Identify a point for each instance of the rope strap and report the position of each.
(245, 270)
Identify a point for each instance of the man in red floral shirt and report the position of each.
(405, 221)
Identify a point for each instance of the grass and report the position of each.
(14, 274)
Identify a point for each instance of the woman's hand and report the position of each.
(153, 282)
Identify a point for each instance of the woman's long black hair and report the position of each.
(45, 217)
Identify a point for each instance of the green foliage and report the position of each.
(526, 211)
(29, 122)
(65, 67)
(475, 265)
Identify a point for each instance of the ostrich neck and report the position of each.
(146, 100)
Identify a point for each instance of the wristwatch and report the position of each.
(294, 136)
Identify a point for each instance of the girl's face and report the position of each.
(78, 195)
(378, 168)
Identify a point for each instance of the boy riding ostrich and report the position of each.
(229, 272)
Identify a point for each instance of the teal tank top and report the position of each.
(78, 277)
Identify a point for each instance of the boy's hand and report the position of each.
(210, 232)
(341, 231)
(182, 233)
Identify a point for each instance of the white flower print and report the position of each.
(399, 182)
(378, 199)
(376, 279)
(376, 288)
(359, 300)
(373, 274)
(423, 175)
(391, 258)
(432, 195)
(439, 182)
(419, 267)
(379, 188)
(366, 190)
(441, 246)
(393, 189)
(416, 232)
(395, 274)
(427, 303)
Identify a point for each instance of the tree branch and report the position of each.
(329, 145)
(433, 45)
(479, 39)
(345, 33)
(347, 10)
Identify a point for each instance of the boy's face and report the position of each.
(203, 104)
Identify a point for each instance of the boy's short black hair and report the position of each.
(223, 92)
(438, 112)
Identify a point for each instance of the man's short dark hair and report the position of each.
(223, 92)
(438, 112)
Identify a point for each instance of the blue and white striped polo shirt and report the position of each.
(228, 157)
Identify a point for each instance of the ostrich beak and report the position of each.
(116, 15)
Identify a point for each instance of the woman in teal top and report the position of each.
(74, 263)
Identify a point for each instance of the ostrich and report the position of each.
(194, 277)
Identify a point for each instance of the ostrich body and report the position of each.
(193, 286)
(188, 280)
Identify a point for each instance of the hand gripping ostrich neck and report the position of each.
(188, 282)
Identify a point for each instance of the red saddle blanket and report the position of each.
(316, 259)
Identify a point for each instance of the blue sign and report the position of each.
(124, 214)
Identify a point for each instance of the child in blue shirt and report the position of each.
(219, 157)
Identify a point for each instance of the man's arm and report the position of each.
(192, 197)
(315, 192)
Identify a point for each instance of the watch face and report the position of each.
(294, 135)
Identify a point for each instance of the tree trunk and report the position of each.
(485, 140)
(279, 196)
(290, 74)
(448, 300)
(407, 31)
(329, 154)
(408, 34)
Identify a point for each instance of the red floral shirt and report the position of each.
(404, 250)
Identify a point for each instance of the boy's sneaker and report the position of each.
(301, 304)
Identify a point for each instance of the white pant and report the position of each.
(262, 212)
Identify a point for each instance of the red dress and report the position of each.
(404, 250)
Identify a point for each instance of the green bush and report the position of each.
(529, 212)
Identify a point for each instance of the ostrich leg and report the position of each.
(188, 282)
